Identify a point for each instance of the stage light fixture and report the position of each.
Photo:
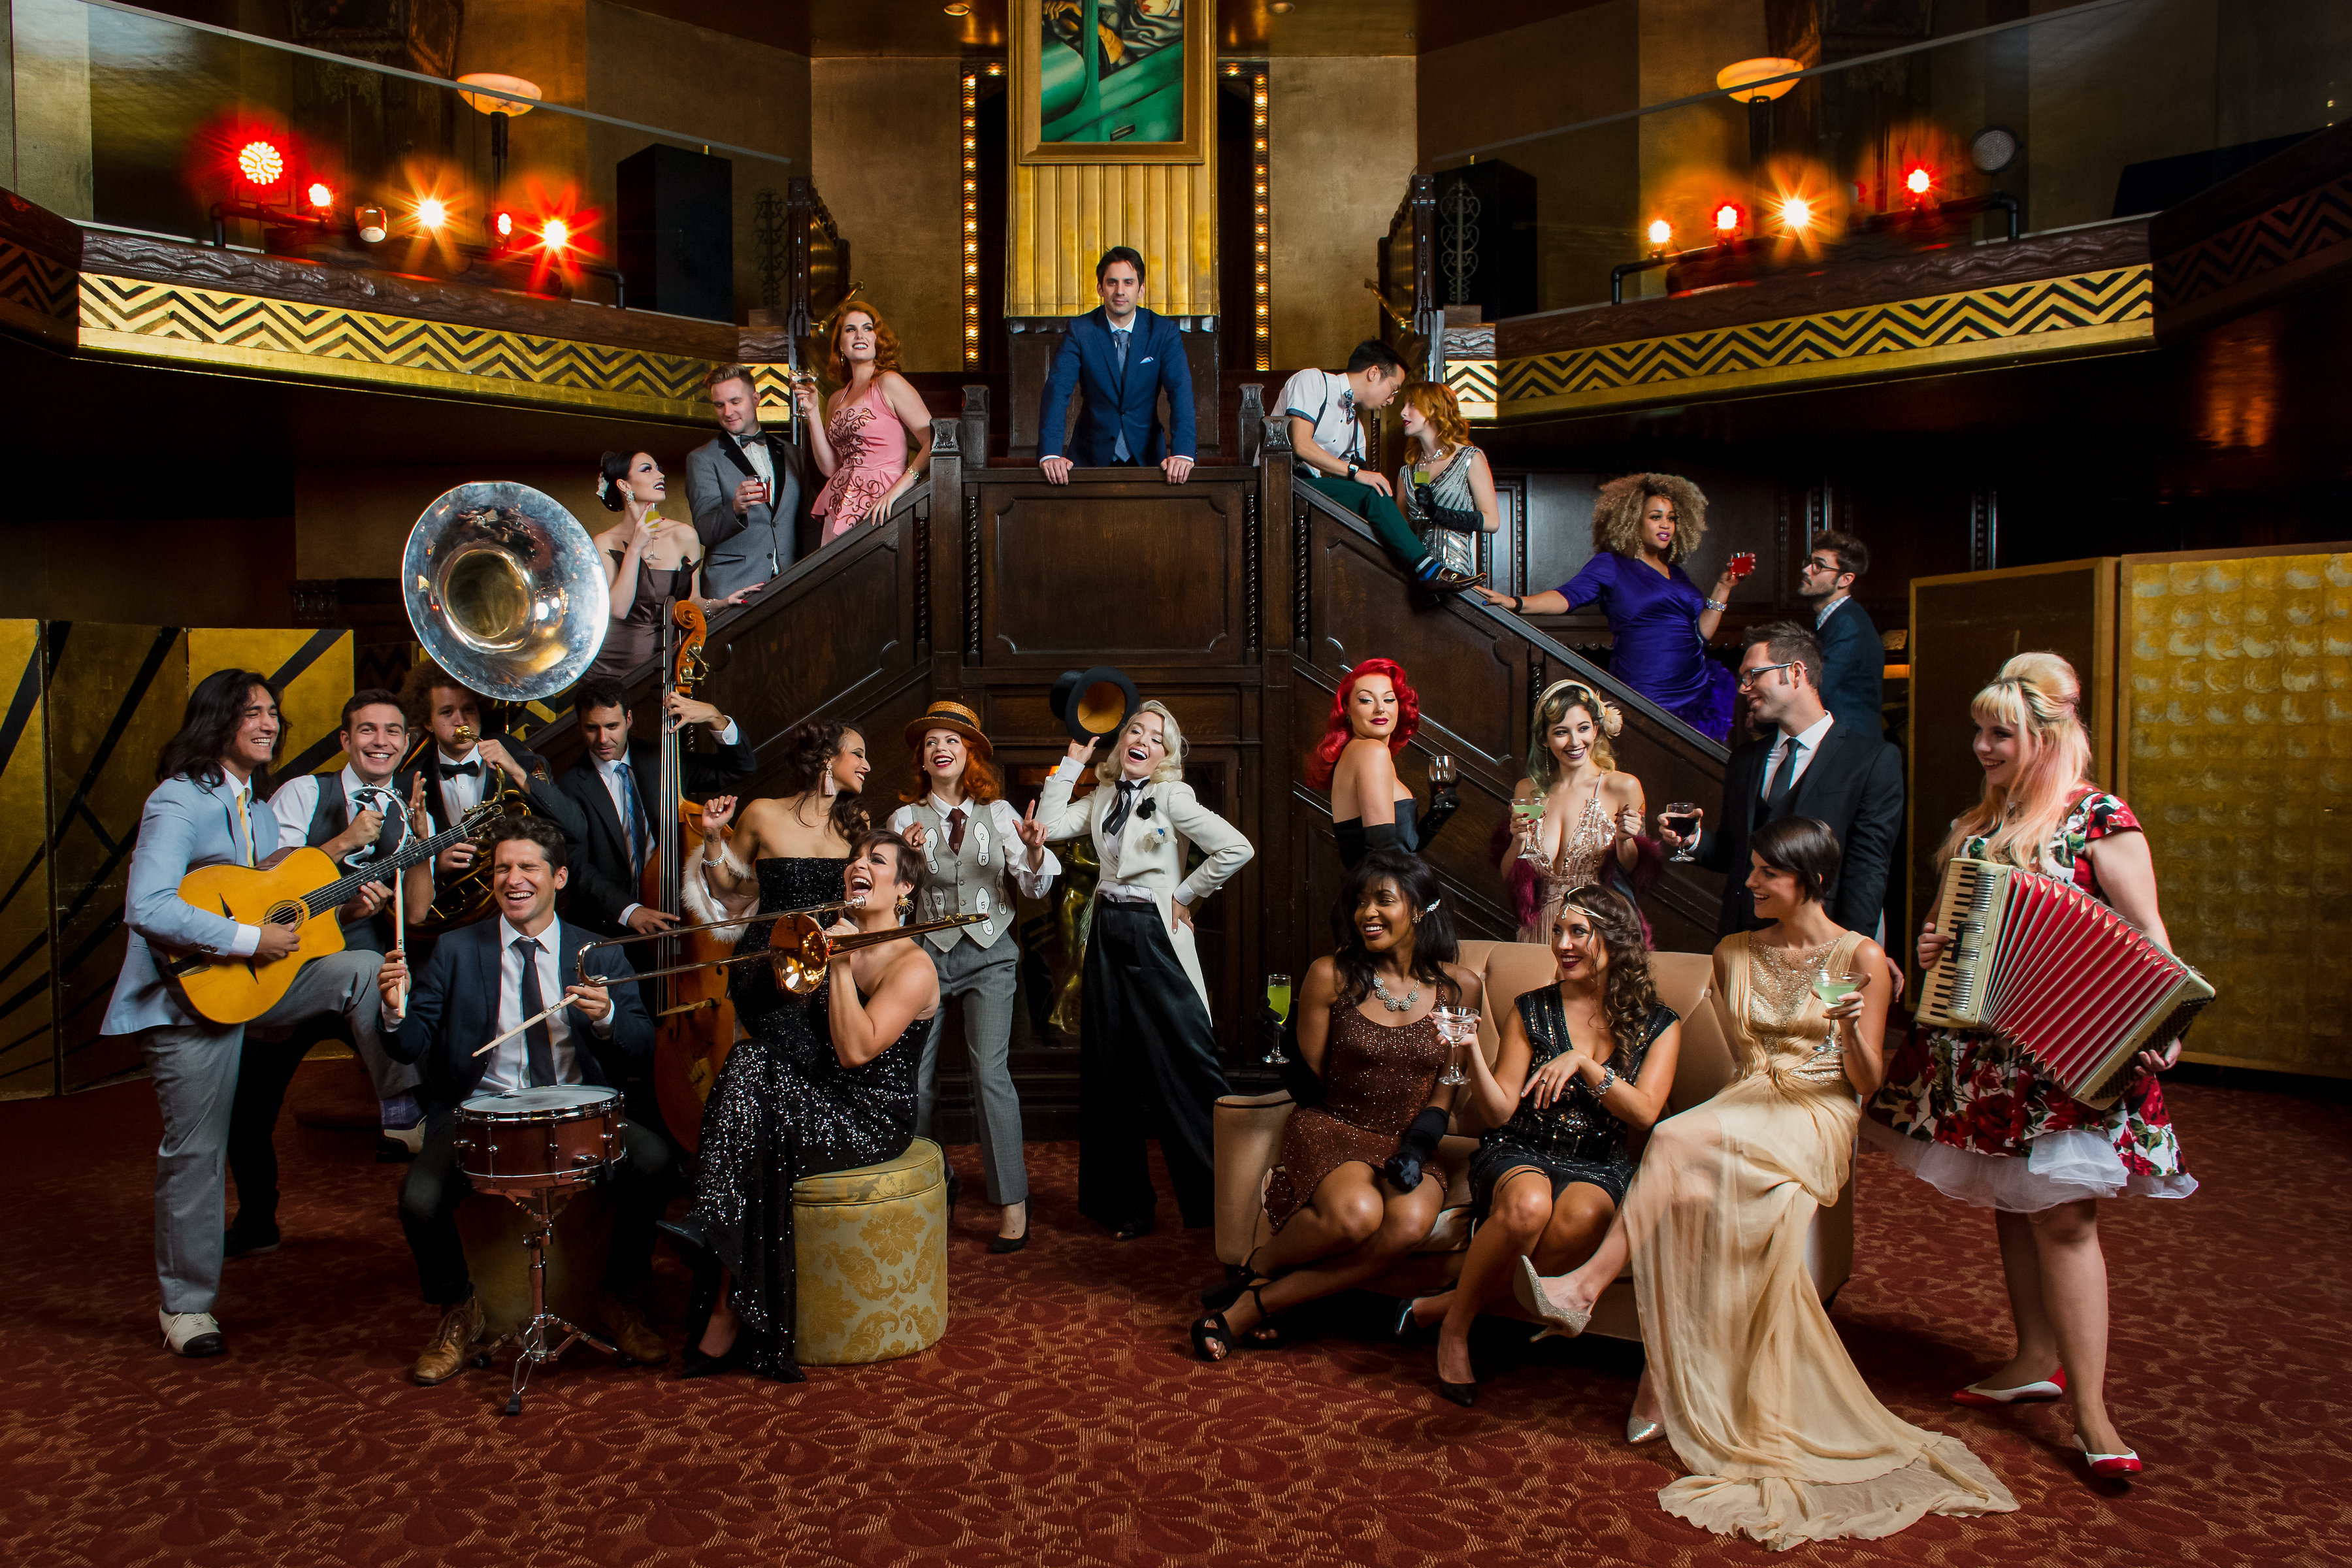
(1661, 233)
(261, 163)
(1796, 215)
(1993, 149)
(503, 224)
(1727, 217)
(372, 224)
(321, 194)
(555, 234)
(1918, 181)
(432, 212)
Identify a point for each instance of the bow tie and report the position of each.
(1128, 790)
(471, 770)
(753, 439)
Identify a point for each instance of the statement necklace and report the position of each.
(1390, 1002)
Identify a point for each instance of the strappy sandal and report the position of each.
(1213, 1331)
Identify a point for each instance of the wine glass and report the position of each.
(1457, 1026)
(1277, 1001)
(1527, 818)
(1682, 816)
(1442, 771)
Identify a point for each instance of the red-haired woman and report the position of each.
(1373, 715)
(1445, 489)
(1978, 1119)
(973, 842)
(876, 438)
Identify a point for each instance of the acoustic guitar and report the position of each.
(302, 888)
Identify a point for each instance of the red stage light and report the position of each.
(504, 225)
(261, 163)
(1727, 220)
(555, 234)
(1918, 181)
(322, 196)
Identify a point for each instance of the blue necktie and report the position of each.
(1118, 450)
(635, 814)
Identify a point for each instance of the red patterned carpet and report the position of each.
(1063, 1421)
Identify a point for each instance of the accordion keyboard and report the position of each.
(1968, 911)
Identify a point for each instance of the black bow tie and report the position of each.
(753, 439)
(471, 770)
(1128, 789)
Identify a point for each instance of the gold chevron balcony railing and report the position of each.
(184, 193)
(1899, 193)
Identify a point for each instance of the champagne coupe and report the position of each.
(1834, 988)
(1682, 818)
(1527, 816)
(1277, 1001)
(1457, 1026)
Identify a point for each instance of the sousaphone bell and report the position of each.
(505, 591)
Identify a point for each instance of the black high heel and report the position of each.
(1465, 1394)
(1214, 1330)
(698, 1364)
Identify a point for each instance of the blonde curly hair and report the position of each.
(1617, 514)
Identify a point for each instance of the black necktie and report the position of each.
(1784, 779)
(955, 831)
(1118, 818)
(542, 1045)
(471, 770)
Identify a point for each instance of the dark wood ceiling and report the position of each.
(923, 28)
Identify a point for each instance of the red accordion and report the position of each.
(2043, 964)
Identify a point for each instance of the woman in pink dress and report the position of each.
(876, 438)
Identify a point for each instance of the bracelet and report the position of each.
(1717, 603)
(1518, 606)
(1608, 1078)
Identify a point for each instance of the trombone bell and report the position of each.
(801, 950)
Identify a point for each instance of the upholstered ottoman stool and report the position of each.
(871, 1245)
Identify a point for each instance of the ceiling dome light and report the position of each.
(1737, 78)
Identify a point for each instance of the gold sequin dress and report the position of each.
(1377, 1077)
(1781, 1437)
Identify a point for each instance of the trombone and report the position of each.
(839, 906)
(797, 946)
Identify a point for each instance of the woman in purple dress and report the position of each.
(1642, 525)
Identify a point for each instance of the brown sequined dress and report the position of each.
(1377, 1078)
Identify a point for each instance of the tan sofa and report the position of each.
(1249, 1138)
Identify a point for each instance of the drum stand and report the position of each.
(531, 1340)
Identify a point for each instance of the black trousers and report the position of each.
(1147, 1067)
(434, 1186)
(265, 1071)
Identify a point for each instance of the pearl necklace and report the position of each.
(1390, 1002)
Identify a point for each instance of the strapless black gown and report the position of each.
(1350, 835)
(784, 1107)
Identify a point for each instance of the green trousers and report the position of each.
(1376, 509)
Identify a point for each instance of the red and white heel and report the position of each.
(2109, 1466)
(1977, 1396)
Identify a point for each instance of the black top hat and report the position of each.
(1093, 703)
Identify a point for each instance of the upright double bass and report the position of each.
(694, 1021)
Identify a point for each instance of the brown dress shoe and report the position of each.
(444, 1353)
(625, 1326)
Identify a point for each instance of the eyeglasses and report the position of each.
(1817, 564)
(1747, 678)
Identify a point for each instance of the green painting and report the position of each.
(1120, 79)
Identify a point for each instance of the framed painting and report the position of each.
(1113, 81)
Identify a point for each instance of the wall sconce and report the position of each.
(1749, 83)
(501, 103)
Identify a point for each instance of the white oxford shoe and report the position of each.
(191, 1334)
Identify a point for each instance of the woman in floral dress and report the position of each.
(1979, 1120)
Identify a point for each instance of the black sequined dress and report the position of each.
(784, 1108)
(1574, 1138)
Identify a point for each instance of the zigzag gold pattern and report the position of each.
(1474, 382)
(37, 294)
(308, 341)
(2046, 315)
(2308, 223)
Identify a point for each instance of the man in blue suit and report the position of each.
(1123, 356)
(483, 980)
(205, 812)
(1853, 661)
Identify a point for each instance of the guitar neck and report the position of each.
(340, 889)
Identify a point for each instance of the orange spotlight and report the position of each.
(1662, 233)
(432, 212)
(1728, 218)
(1797, 215)
(261, 163)
(555, 234)
(321, 194)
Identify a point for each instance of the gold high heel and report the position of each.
(1529, 1287)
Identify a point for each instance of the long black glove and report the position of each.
(1379, 836)
(1402, 1169)
(1445, 800)
(1298, 1078)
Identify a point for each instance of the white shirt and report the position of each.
(755, 452)
(1821, 617)
(510, 1065)
(462, 794)
(297, 801)
(611, 773)
(998, 821)
(1807, 742)
(1325, 398)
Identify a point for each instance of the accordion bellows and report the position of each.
(2048, 967)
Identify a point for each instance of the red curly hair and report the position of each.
(980, 782)
(1338, 732)
(885, 345)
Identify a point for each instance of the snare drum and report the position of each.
(529, 1138)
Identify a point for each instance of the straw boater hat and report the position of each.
(952, 716)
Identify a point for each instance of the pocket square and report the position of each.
(1145, 359)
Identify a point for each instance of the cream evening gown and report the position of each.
(1783, 1438)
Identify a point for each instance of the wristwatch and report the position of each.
(1351, 469)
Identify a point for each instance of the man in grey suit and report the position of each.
(747, 490)
(204, 813)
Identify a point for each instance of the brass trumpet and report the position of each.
(802, 950)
